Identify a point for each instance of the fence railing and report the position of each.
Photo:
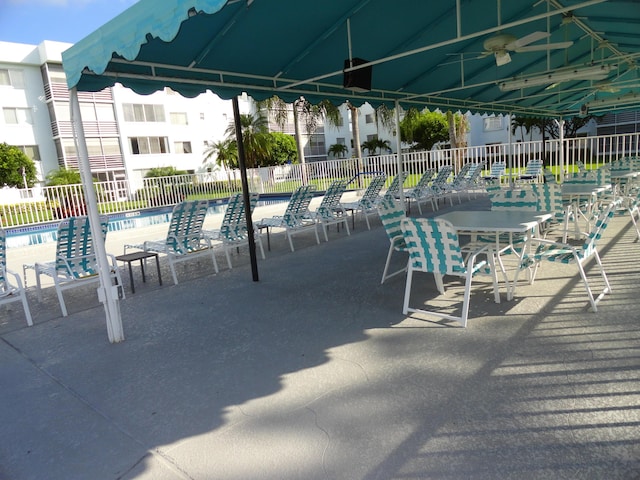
(44, 204)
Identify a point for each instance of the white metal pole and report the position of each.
(107, 293)
(563, 168)
(399, 152)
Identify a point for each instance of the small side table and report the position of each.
(141, 256)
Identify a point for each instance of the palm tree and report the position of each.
(254, 138)
(304, 111)
(226, 152)
(337, 150)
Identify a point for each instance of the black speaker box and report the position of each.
(359, 80)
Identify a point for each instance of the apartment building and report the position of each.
(127, 134)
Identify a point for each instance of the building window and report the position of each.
(146, 145)
(17, 116)
(178, 118)
(31, 151)
(341, 141)
(371, 138)
(104, 113)
(491, 124)
(111, 146)
(137, 112)
(340, 121)
(11, 78)
(368, 118)
(182, 147)
(316, 145)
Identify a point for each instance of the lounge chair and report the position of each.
(496, 172)
(185, 239)
(75, 264)
(568, 254)
(439, 183)
(330, 212)
(11, 289)
(368, 202)
(532, 171)
(296, 216)
(396, 183)
(391, 214)
(421, 193)
(233, 232)
(434, 247)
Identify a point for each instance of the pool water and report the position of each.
(47, 232)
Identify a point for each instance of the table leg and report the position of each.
(133, 288)
(142, 262)
(158, 267)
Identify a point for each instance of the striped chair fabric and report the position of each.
(434, 247)
(296, 216)
(533, 170)
(185, 239)
(391, 214)
(330, 212)
(567, 254)
(233, 231)
(368, 202)
(75, 263)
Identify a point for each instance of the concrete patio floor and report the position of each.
(314, 373)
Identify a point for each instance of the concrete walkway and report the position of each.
(314, 373)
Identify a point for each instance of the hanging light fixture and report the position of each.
(599, 72)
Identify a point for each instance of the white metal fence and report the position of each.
(44, 204)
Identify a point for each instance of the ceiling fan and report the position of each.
(500, 45)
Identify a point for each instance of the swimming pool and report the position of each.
(47, 232)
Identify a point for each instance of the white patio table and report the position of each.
(495, 223)
(573, 194)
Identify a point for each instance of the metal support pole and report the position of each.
(107, 292)
(245, 190)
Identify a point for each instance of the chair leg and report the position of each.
(173, 270)
(259, 242)
(226, 253)
(407, 292)
(386, 265)
(439, 282)
(324, 231)
(63, 306)
(346, 224)
(465, 302)
(594, 301)
(215, 262)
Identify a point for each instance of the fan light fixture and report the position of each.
(599, 72)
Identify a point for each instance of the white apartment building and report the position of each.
(127, 134)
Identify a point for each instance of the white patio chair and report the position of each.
(296, 216)
(368, 202)
(11, 289)
(562, 253)
(330, 212)
(434, 247)
(391, 214)
(532, 171)
(421, 193)
(233, 232)
(75, 264)
(185, 239)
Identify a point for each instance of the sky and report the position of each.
(33, 21)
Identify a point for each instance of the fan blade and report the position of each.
(544, 46)
(526, 40)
